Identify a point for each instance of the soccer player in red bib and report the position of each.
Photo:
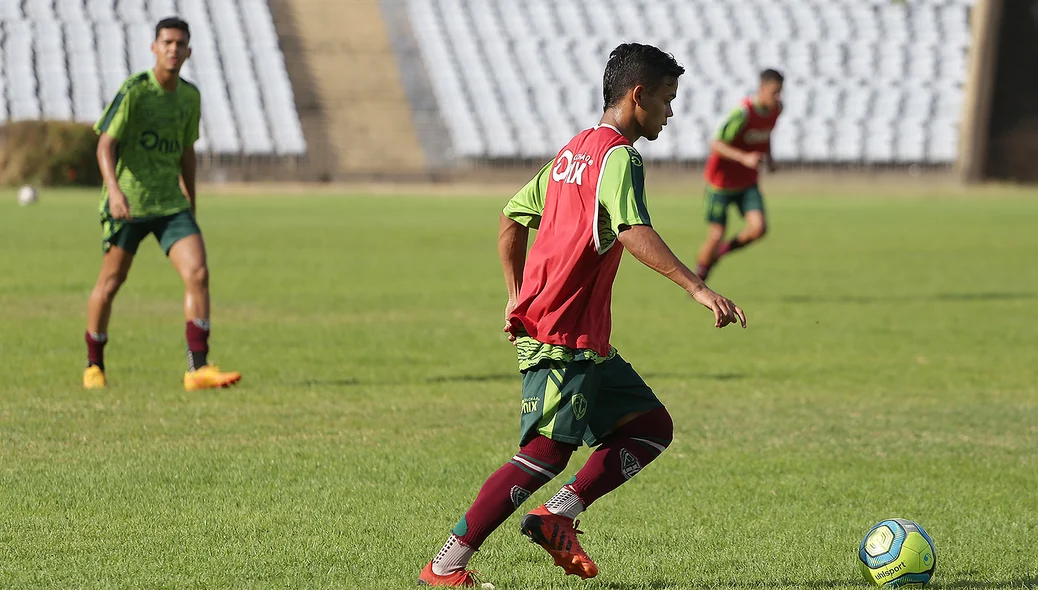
(588, 206)
(742, 142)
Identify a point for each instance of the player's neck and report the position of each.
(623, 125)
(167, 79)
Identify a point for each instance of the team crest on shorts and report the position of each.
(629, 464)
(519, 495)
(579, 403)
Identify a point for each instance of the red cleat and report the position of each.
(558, 536)
(458, 579)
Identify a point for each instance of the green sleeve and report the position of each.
(528, 204)
(191, 133)
(621, 193)
(733, 125)
(117, 115)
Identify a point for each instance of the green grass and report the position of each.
(889, 370)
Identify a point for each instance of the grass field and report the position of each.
(889, 370)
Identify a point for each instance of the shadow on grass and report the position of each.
(706, 376)
(328, 382)
(1027, 582)
(704, 585)
(867, 300)
(513, 377)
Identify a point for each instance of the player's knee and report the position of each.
(551, 452)
(198, 277)
(716, 233)
(109, 284)
(663, 426)
(758, 231)
(655, 425)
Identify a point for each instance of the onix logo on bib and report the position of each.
(570, 168)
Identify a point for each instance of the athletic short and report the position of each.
(717, 203)
(580, 400)
(129, 234)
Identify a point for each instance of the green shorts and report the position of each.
(128, 234)
(717, 203)
(581, 400)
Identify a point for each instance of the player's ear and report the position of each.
(155, 47)
(188, 53)
(638, 94)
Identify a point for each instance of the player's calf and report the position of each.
(621, 456)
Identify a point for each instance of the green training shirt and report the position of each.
(152, 128)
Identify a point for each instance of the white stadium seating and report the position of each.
(65, 59)
(867, 81)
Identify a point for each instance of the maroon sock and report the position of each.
(96, 349)
(197, 332)
(731, 246)
(623, 454)
(536, 463)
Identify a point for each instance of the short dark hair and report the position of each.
(631, 64)
(172, 23)
(771, 76)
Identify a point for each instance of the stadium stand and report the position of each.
(867, 81)
(64, 59)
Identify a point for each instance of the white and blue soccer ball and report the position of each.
(897, 553)
(27, 195)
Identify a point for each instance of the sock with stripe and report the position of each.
(619, 458)
(536, 463)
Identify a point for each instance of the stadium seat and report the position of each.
(52, 66)
(531, 71)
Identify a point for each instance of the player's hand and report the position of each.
(725, 311)
(118, 206)
(509, 308)
(752, 159)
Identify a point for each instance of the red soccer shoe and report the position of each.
(459, 579)
(558, 536)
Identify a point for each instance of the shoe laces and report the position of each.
(470, 576)
(576, 523)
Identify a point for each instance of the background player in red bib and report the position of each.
(731, 171)
(588, 206)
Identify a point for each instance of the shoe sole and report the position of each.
(571, 563)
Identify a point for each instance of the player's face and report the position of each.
(171, 49)
(770, 94)
(654, 107)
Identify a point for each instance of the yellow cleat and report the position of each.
(94, 377)
(209, 377)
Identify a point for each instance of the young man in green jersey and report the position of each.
(147, 158)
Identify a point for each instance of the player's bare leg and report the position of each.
(115, 267)
(756, 228)
(189, 258)
(708, 252)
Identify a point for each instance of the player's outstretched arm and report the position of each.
(512, 238)
(730, 152)
(649, 248)
(118, 206)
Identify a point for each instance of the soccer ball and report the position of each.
(897, 553)
(27, 196)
